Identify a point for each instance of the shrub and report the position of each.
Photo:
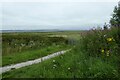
(101, 42)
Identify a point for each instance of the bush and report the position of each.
(101, 42)
(101, 47)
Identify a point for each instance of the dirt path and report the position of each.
(27, 63)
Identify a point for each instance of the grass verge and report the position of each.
(31, 54)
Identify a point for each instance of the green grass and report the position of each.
(86, 60)
(73, 64)
(31, 54)
(18, 42)
(19, 47)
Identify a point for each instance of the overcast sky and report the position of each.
(55, 15)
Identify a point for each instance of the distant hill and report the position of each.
(49, 30)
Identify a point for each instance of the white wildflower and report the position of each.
(22, 44)
(105, 35)
(53, 60)
(69, 68)
(55, 65)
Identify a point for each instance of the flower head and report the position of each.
(108, 52)
(69, 68)
(104, 35)
(53, 60)
(102, 50)
(54, 66)
(109, 39)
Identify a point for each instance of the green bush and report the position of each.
(101, 42)
(103, 45)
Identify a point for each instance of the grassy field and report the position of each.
(70, 65)
(19, 47)
(95, 55)
(31, 54)
(17, 42)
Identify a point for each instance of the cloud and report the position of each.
(55, 14)
(59, 0)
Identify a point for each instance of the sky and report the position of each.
(25, 15)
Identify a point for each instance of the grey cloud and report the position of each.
(56, 15)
